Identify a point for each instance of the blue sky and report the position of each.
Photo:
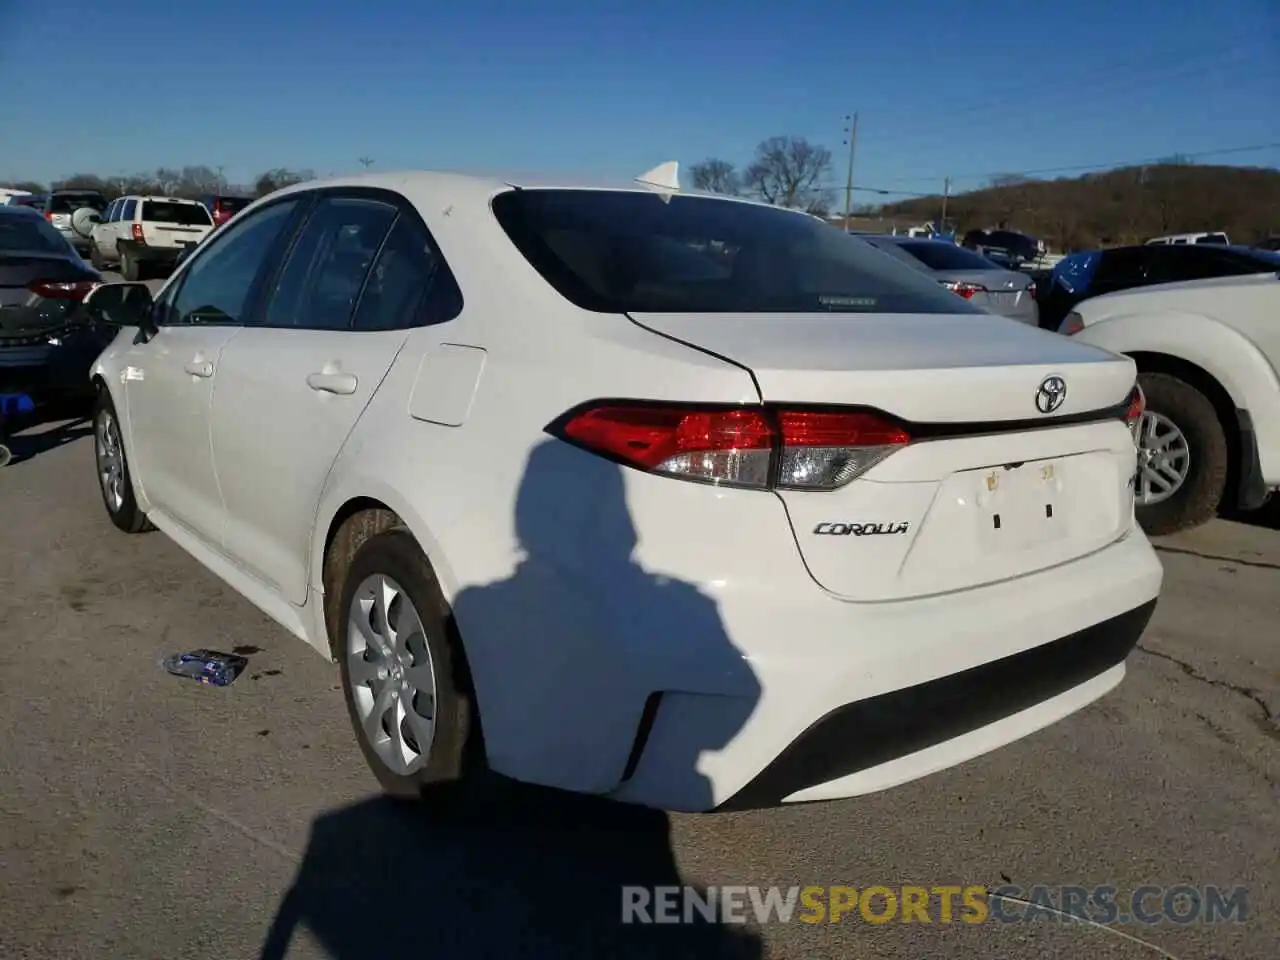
(610, 87)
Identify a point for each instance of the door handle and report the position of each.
(198, 368)
(342, 384)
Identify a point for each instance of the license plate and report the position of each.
(1021, 507)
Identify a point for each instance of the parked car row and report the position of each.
(141, 235)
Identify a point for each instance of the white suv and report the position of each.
(680, 499)
(143, 233)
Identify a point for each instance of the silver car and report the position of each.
(967, 274)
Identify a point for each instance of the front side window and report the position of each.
(216, 285)
(322, 278)
(634, 251)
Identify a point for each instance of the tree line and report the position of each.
(1118, 207)
(1112, 208)
(190, 182)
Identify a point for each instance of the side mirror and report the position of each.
(120, 305)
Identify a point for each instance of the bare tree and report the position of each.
(272, 180)
(787, 172)
(717, 176)
(30, 186)
(1007, 180)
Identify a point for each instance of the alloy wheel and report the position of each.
(110, 456)
(392, 676)
(1164, 458)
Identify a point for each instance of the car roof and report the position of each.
(20, 210)
(164, 199)
(468, 186)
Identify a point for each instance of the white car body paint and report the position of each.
(1226, 326)
(582, 589)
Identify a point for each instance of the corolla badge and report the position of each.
(1052, 393)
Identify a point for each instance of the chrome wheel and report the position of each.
(110, 456)
(393, 681)
(1164, 458)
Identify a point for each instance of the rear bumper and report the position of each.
(858, 697)
(144, 253)
(827, 759)
(50, 373)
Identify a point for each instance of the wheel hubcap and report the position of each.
(110, 455)
(393, 681)
(1164, 458)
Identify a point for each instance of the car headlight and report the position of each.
(1073, 323)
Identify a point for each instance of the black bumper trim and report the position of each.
(870, 732)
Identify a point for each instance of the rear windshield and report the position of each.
(71, 202)
(23, 233)
(232, 204)
(183, 214)
(946, 256)
(618, 251)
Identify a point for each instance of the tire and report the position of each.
(394, 560)
(1197, 499)
(118, 497)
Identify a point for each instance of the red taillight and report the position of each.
(61, 289)
(1031, 291)
(1137, 406)
(49, 216)
(137, 233)
(759, 447)
(962, 289)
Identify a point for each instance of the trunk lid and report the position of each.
(24, 313)
(927, 368)
(990, 488)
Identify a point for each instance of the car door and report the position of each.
(293, 384)
(169, 378)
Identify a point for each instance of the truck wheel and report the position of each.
(1182, 457)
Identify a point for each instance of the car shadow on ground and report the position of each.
(536, 873)
(579, 637)
(43, 436)
(1266, 517)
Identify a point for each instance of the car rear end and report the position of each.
(166, 227)
(60, 211)
(913, 521)
(44, 353)
(223, 209)
(972, 277)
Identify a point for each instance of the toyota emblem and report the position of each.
(1052, 393)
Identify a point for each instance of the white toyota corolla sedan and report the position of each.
(685, 500)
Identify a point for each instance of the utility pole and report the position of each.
(946, 193)
(852, 131)
(366, 162)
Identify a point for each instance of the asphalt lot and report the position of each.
(144, 816)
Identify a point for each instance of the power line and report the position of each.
(1133, 77)
(1115, 164)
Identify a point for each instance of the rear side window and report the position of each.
(323, 276)
(407, 271)
(946, 256)
(181, 214)
(1218, 238)
(130, 206)
(22, 233)
(1121, 268)
(624, 251)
